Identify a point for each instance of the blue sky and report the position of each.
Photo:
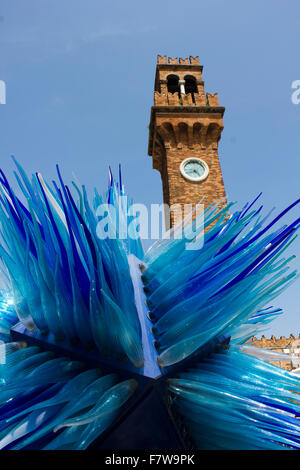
(80, 75)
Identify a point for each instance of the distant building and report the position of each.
(290, 345)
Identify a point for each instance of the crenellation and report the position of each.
(172, 61)
(194, 60)
(200, 99)
(187, 100)
(165, 98)
(160, 99)
(183, 61)
(191, 60)
(173, 99)
(161, 59)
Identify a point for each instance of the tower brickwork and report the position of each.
(185, 128)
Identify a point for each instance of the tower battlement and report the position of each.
(174, 99)
(184, 131)
(162, 59)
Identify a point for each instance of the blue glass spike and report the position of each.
(80, 272)
(63, 252)
(86, 230)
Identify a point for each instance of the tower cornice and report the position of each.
(193, 111)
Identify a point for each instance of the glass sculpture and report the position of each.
(105, 345)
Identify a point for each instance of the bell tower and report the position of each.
(185, 128)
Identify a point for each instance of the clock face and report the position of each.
(194, 169)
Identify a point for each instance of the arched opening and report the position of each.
(191, 86)
(173, 84)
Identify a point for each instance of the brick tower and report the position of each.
(184, 132)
